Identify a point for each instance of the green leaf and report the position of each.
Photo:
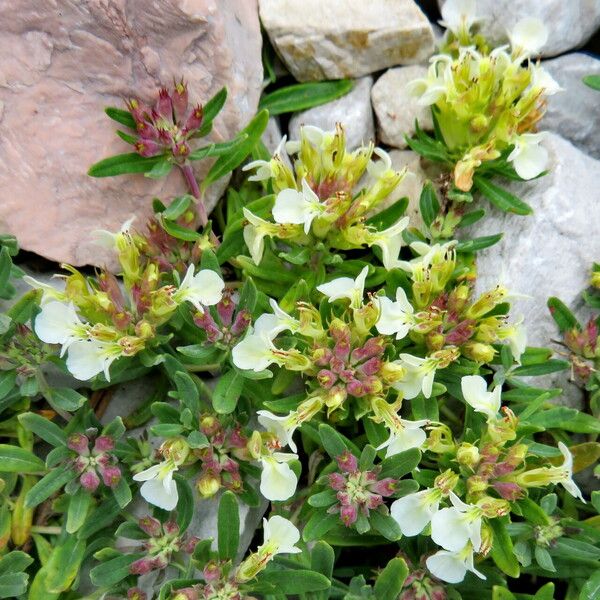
(550, 366)
(230, 161)
(185, 505)
(227, 392)
(297, 581)
(217, 149)
(502, 552)
(390, 581)
(160, 169)
(13, 584)
(592, 81)
(501, 593)
(479, 243)
(564, 318)
(385, 525)
(322, 559)
(7, 382)
(121, 164)
(318, 525)
(43, 428)
(400, 464)
(429, 204)
(14, 561)
(122, 493)
(14, 459)
(301, 96)
(543, 558)
(199, 354)
(569, 419)
(323, 499)
(390, 215)
(64, 563)
(112, 571)
(228, 525)
(591, 588)
(124, 117)
(501, 198)
(332, 441)
(66, 399)
(210, 110)
(179, 232)
(78, 508)
(197, 439)
(177, 207)
(187, 392)
(49, 484)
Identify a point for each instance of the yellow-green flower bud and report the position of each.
(175, 449)
(468, 455)
(446, 481)
(483, 353)
(208, 485)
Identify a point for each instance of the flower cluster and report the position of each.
(97, 322)
(358, 491)
(219, 460)
(487, 102)
(322, 203)
(169, 125)
(94, 459)
(162, 541)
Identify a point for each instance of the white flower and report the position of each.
(205, 288)
(273, 324)
(453, 566)
(434, 86)
(158, 487)
(264, 168)
(395, 317)
(315, 135)
(297, 208)
(280, 536)
(346, 287)
(529, 157)
(59, 323)
(87, 358)
(108, 239)
(390, 241)
(474, 390)
(453, 527)
(381, 167)
(414, 512)
(528, 37)
(540, 78)
(282, 427)
(410, 435)
(567, 481)
(255, 352)
(419, 376)
(254, 234)
(516, 335)
(277, 481)
(458, 15)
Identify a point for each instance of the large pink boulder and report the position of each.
(62, 62)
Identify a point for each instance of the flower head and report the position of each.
(453, 527)
(528, 157)
(159, 488)
(395, 317)
(297, 208)
(277, 480)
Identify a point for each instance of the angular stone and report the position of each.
(353, 111)
(347, 38)
(570, 24)
(574, 112)
(396, 109)
(549, 253)
(63, 63)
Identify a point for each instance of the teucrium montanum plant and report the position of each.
(311, 349)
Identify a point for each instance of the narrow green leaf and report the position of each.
(479, 243)
(500, 197)
(301, 96)
(502, 552)
(591, 588)
(228, 391)
(564, 318)
(390, 581)
(66, 399)
(177, 207)
(121, 116)
(400, 464)
(188, 392)
(292, 582)
(385, 525)
(318, 525)
(7, 382)
(228, 525)
(161, 169)
(210, 110)
(49, 484)
(14, 459)
(122, 164)
(332, 441)
(14, 561)
(112, 571)
(13, 585)
(429, 204)
(122, 493)
(218, 149)
(63, 565)
(78, 508)
(179, 231)
(226, 163)
(43, 428)
(550, 366)
(592, 81)
(322, 559)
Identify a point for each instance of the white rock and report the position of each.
(570, 23)
(353, 111)
(346, 38)
(574, 113)
(396, 109)
(549, 253)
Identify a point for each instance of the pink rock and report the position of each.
(63, 62)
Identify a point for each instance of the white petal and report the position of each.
(90, 357)
(208, 287)
(283, 533)
(56, 322)
(403, 440)
(290, 207)
(154, 492)
(337, 288)
(253, 352)
(413, 513)
(447, 566)
(529, 35)
(450, 529)
(529, 159)
(277, 481)
(255, 240)
(149, 473)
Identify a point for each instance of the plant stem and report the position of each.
(188, 173)
(49, 530)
